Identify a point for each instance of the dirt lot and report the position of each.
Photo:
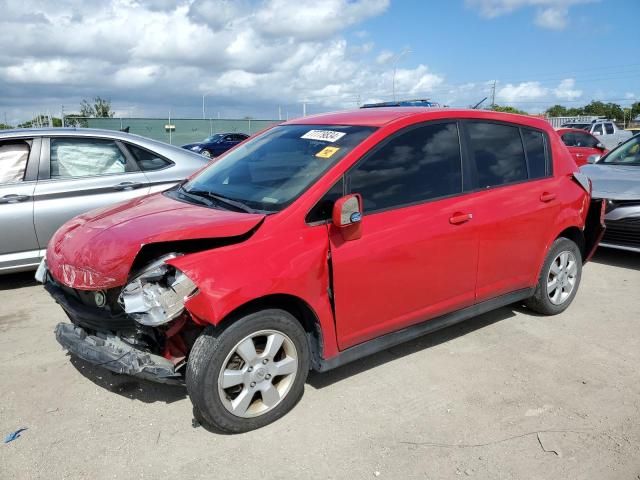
(506, 395)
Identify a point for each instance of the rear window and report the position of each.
(497, 152)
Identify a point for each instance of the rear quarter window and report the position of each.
(537, 158)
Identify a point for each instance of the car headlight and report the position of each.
(157, 294)
(196, 148)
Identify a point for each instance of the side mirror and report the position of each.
(600, 146)
(347, 216)
(593, 158)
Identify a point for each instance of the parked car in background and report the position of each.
(48, 176)
(633, 130)
(318, 242)
(216, 144)
(604, 130)
(581, 144)
(616, 178)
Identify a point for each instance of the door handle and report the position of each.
(127, 186)
(547, 197)
(13, 198)
(459, 218)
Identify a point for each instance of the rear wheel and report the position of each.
(250, 373)
(559, 278)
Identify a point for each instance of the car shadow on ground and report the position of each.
(17, 280)
(617, 258)
(320, 380)
(129, 387)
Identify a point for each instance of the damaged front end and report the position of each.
(141, 329)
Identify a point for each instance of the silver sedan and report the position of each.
(48, 176)
(616, 178)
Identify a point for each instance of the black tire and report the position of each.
(540, 301)
(209, 354)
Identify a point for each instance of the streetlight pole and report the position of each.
(203, 115)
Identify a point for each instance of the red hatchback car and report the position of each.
(581, 144)
(318, 242)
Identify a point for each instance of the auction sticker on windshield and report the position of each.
(323, 135)
(327, 152)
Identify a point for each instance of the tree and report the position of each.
(41, 121)
(556, 111)
(4, 126)
(75, 120)
(101, 108)
(507, 109)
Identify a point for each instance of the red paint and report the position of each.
(581, 154)
(409, 264)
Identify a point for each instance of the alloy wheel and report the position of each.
(258, 373)
(562, 276)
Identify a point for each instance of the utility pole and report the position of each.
(493, 95)
(62, 114)
(395, 67)
(304, 108)
(279, 112)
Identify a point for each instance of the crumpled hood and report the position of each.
(96, 250)
(615, 182)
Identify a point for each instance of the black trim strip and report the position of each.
(395, 338)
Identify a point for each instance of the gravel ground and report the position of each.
(506, 395)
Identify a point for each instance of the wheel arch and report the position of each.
(291, 304)
(576, 235)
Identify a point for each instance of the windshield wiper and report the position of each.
(196, 198)
(222, 199)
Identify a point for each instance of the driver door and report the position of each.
(418, 254)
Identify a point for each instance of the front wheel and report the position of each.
(206, 153)
(249, 374)
(559, 278)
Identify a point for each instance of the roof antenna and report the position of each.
(475, 107)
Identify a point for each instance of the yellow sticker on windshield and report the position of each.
(327, 152)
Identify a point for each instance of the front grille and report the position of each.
(624, 232)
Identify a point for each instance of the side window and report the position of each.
(420, 164)
(146, 160)
(534, 142)
(608, 127)
(13, 161)
(497, 152)
(85, 157)
(597, 130)
(569, 139)
(586, 140)
(322, 210)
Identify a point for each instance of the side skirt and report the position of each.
(395, 338)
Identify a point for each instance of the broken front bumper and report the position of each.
(110, 352)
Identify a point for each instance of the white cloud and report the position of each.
(550, 14)
(566, 90)
(525, 91)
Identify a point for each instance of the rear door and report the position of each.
(78, 174)
(18, 171)
(515, 201)
(417, 257)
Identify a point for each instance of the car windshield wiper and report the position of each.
(196, 198)
(222, 199)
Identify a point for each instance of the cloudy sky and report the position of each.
(250, 57)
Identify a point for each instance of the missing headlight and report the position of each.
(157, 294)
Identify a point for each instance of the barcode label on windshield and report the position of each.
(323, 135)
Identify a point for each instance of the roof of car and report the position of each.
(47, 131)
(377, 117)
(574, 130)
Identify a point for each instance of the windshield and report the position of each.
(626, 154)
(270, 171)
(213, 138)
